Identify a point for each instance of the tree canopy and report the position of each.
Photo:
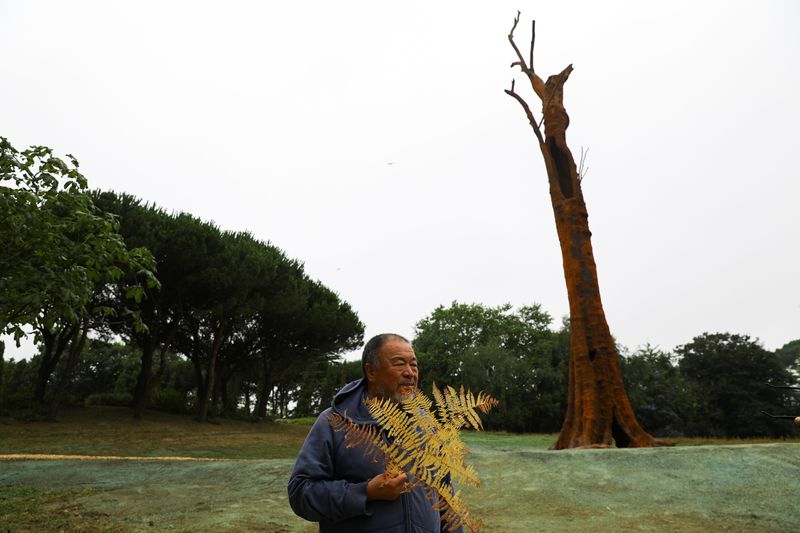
(511, 354)
(730, 377)
(60, 257)
(80, 262)
(247, 316)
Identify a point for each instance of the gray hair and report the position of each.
(373, 348)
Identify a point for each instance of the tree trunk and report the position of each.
(140, 393)
(247, 400)
(166, 343)
(598, 409)
(75, 350)
(263, 392)
(204, 399)
(216, 390)
(54, 345)
(2, 366)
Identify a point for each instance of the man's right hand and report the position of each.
(384, 488)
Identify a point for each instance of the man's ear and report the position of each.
(369, 369)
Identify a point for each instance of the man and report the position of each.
(341, 488)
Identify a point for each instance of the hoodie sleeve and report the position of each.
(314, 494)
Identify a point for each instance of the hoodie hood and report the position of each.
(350, 401)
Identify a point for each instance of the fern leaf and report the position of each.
(409, 438)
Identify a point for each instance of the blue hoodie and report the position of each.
(329, 481)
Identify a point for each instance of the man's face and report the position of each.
(396, 374)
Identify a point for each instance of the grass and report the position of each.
(112, 431)
(35, 509)
(736, 485)
(501, 439)
(544, 441)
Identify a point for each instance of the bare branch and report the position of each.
(769, 385)
(582, 169)
(521, 62)
(787, 417)
(533, 38)
(536, 81)
(516, 21)
(528, 112)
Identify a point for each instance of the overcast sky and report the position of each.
(373, 141)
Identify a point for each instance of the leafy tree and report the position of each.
(319, 383)
(512, 355)
(316, 328)
(253, 320)
(178, 243)
(60, 255)
(99, 368)
(657, 391)
(789, 354)
(237, 279)
(16, 387)
(729, 376)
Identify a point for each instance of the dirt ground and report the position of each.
(718, 488)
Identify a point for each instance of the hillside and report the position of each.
(745, 487)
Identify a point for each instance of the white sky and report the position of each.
(373, 141)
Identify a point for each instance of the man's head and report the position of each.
(390, 366)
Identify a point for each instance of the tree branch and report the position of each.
(521, 61)
(536, 81)
(533, 38)
(528, 112)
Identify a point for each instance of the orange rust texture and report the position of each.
(598, 408)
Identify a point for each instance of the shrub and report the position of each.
(169, 401)
(115, 399)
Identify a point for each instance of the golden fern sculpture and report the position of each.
(425, 444)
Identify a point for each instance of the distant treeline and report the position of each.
(134, 306)
(715, 385)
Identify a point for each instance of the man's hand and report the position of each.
(385, 488)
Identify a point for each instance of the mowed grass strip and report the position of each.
(112, 431)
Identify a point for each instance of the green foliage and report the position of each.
(789, 355)
(169, 401)
(113, 399)
(61, 259)
(18, 381)
(657, 391)
(58, 250)
(512, 355)
(319, 383)
(729, 376)
(246, 316)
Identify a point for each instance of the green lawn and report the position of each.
(113, 431)
(736, 487)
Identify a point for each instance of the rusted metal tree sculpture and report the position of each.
(598, 408)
